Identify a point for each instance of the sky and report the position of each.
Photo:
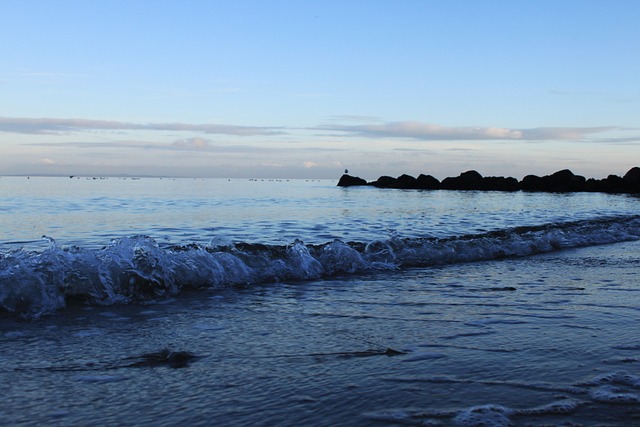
(307, 89)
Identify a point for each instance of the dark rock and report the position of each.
(406, 182)
(470, 180)
(595, 185)
(427, 182)
(164, 357)
(385, 182)
(578, 183)
(561, 181)
(349, 181)
(531, 183)
(558, 182)
(632, 176)
(471, 176)
(632, 180)
(615, 184)
(499, 183)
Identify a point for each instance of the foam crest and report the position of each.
(136, 268)
(559, 407)
(475, 416)
(620, 378)
(484, 415)
(611, 394)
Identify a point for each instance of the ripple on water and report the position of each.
(100, 378)
(602, 396)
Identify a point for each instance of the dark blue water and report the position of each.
(302, 303)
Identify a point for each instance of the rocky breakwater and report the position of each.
(563, 181)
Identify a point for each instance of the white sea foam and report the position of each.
(475, 416)
(623, 378)
(611, 394)
(559, 407)
(138, 269)
(484, 415)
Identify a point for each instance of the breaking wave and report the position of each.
(137, 269)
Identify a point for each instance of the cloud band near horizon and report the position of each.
(57, 126)
(433, 132)
(400, 129)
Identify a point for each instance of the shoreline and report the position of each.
(502, 340)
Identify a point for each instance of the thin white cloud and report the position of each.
(373, 129)
(424, 131)
(563, 133)
(189, 144)
(204, 145)
(59, 126)
(194, 143)
(434, 132)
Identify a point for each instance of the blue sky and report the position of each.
(305, 89)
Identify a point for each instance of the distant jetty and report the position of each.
(563, 181)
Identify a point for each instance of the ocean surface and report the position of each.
(153, 301)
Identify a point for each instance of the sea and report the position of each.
(237, 302)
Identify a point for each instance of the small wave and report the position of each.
(481, 415)
(602, 395)
(136, 268)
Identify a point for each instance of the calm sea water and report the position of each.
(307, 304)
(92, 212)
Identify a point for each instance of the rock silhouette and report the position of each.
(348, 181)
(563, 181)
(164, 357)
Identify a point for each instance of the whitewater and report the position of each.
(154, 301)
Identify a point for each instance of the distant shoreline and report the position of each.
(138, 177)
(563, 181)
